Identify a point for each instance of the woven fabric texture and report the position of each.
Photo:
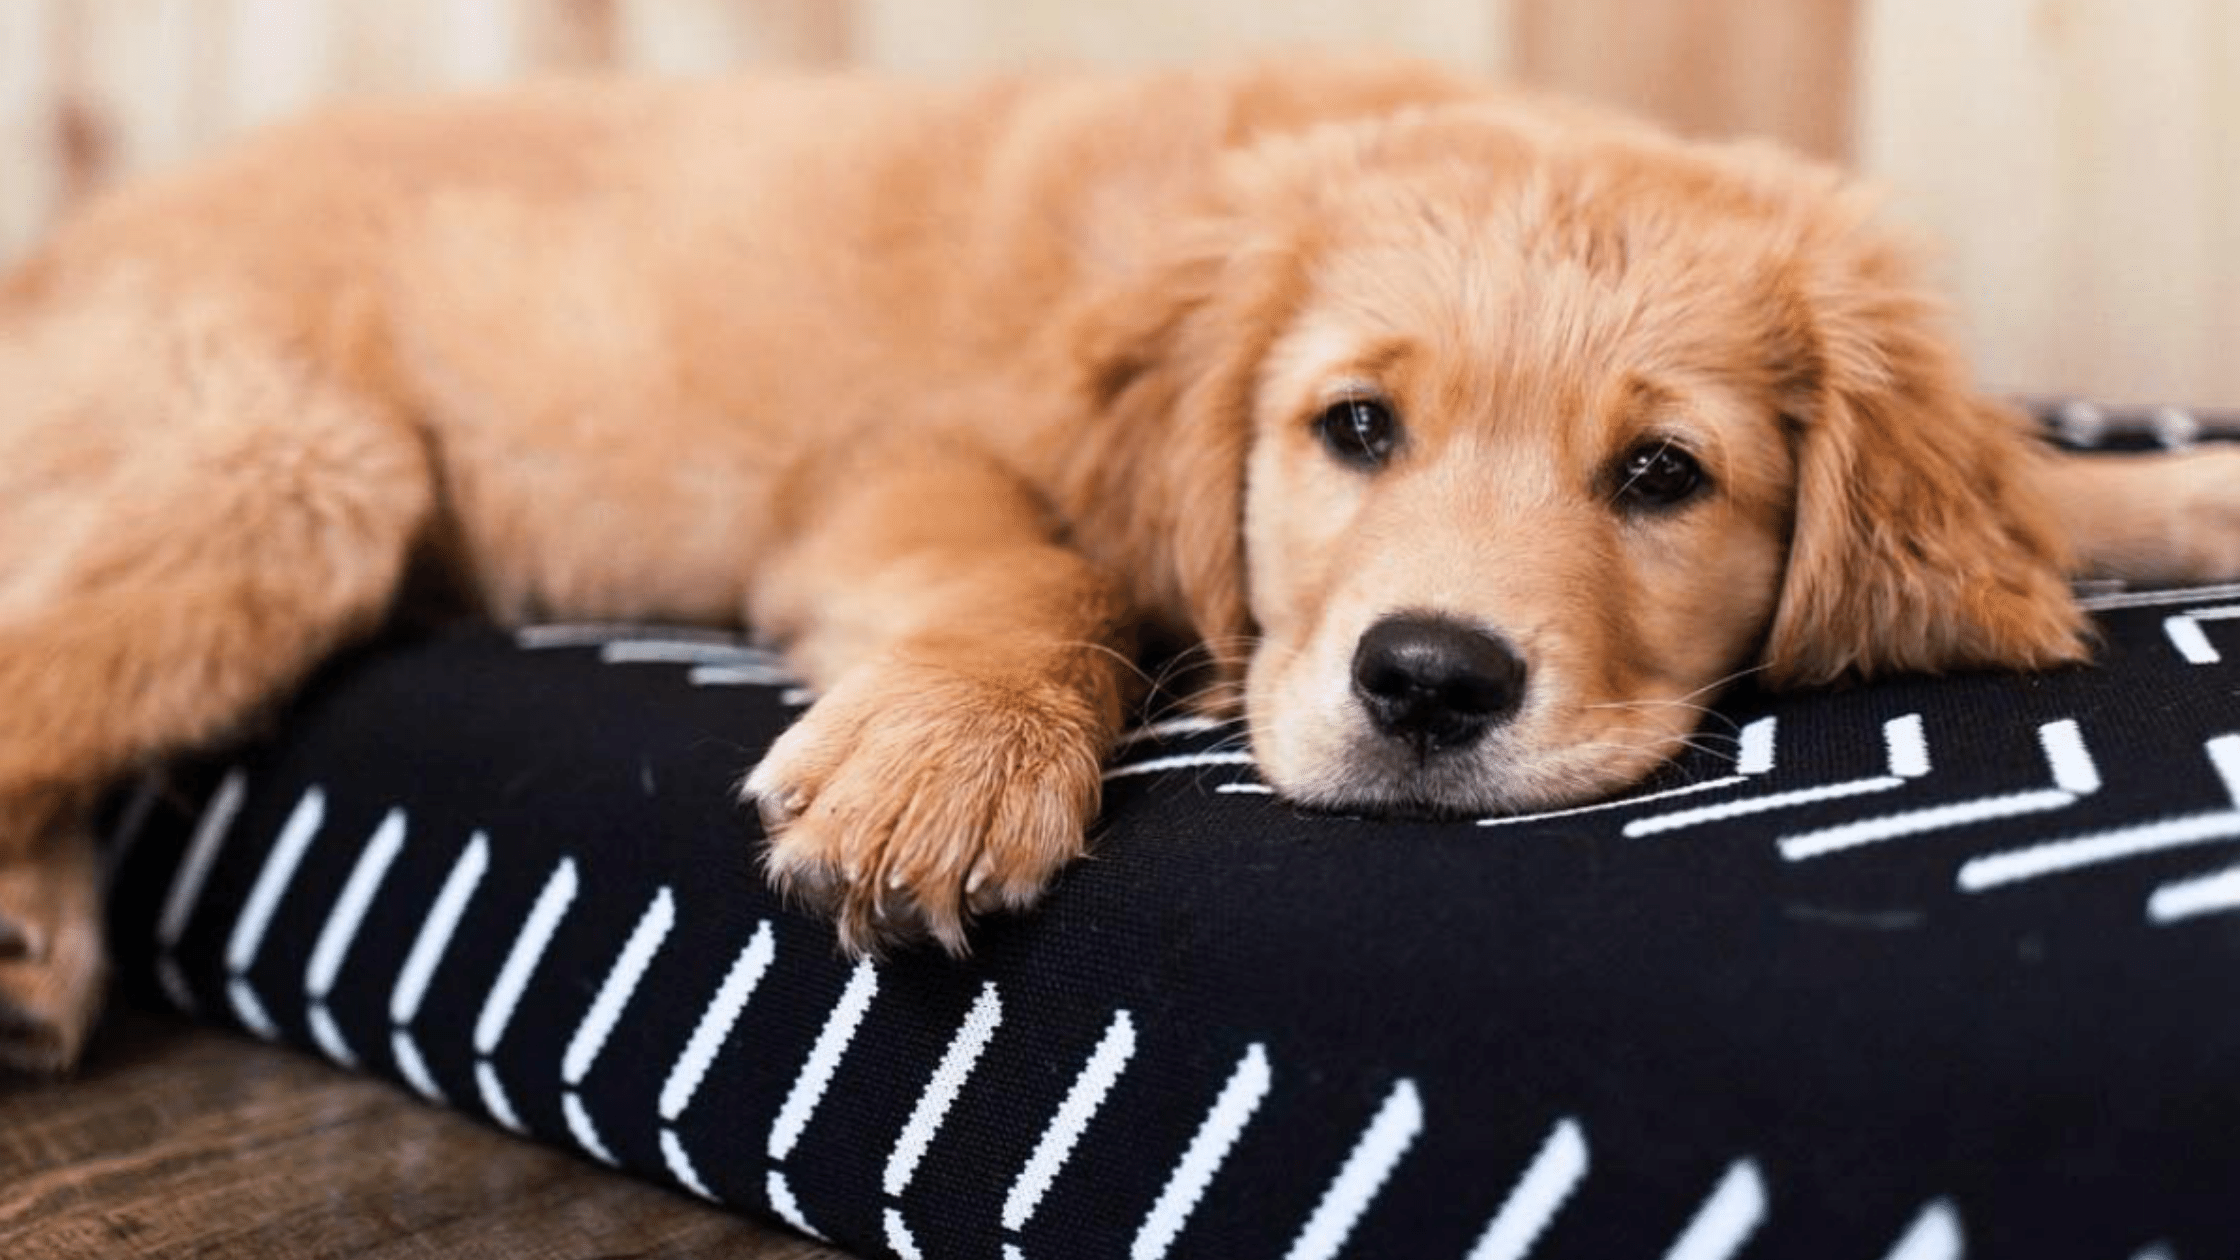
(1918, 970)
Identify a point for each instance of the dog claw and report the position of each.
(981, 894)
(775, 809)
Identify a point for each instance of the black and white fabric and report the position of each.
(1916, 971)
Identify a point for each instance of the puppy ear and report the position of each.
(1167, 363)
(1922, 538)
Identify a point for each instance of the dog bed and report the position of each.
(1916, 970)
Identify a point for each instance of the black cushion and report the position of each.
(1921, 969)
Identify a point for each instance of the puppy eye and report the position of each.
(1359, 432)
(1657, 474)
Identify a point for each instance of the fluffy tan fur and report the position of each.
(958, 392)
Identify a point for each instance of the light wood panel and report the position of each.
(916, 35)
(2080, 159)
(1711, 67)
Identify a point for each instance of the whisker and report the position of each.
(1703, 711)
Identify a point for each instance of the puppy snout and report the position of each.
(1435, 683)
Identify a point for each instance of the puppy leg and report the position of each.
(194, 519)
(2152, 518)
(974, 673)
(52, 971)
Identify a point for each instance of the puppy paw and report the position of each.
(52, 968)
(912, 798)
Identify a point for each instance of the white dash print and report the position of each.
(1540, 1193)
(782, 1202)
(940, 1094)
(1378, 1151)
(328, 1035)
(1999, 869)
(1733, 1212)
(1685, 818)
(249, 1008)
(413, 1068)
(1904, 752)
(1754, 751)
(2192, 898)
(349, 913)
(513, 979)
(273, 878)
(1169, 729)
(1088, 1092)
(428, 948)
(2224, 757)
(2158, 599)
(494, 1097)
(1753, 757)
(680, 1166)
(1208, 1150)
(2068, 758)
(1934, 1235)
(209, 836)
(701, 1049)
(1837, 839)
(2068, 762)
(2097, 848)
(278, 871)
(545, 914)
(717, 1022)
(598, 634)
(899, 1238)
(584, 1131)
(684, 652)
(742, 676)
(823, 1060)
(2185, 633)
(1686, 789)
(436, 930)
(1909, 749)
(1179, 761)
(619, 987)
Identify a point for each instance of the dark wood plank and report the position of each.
(181, 1141)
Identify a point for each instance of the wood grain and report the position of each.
(177, 1141)
(1712, 67)
(2077, 159)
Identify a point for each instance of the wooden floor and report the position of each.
(174, 1141)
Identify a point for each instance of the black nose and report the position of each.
(1437, 684)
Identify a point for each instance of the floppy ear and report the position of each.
(1922, 538)
(1167, 362)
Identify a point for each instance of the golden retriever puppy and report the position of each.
(1476, 440)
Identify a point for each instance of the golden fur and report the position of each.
(960, 393)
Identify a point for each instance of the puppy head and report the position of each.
(1550, 436)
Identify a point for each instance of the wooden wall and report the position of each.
(2079, 159)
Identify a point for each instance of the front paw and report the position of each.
(52, 968)
(912, 797)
